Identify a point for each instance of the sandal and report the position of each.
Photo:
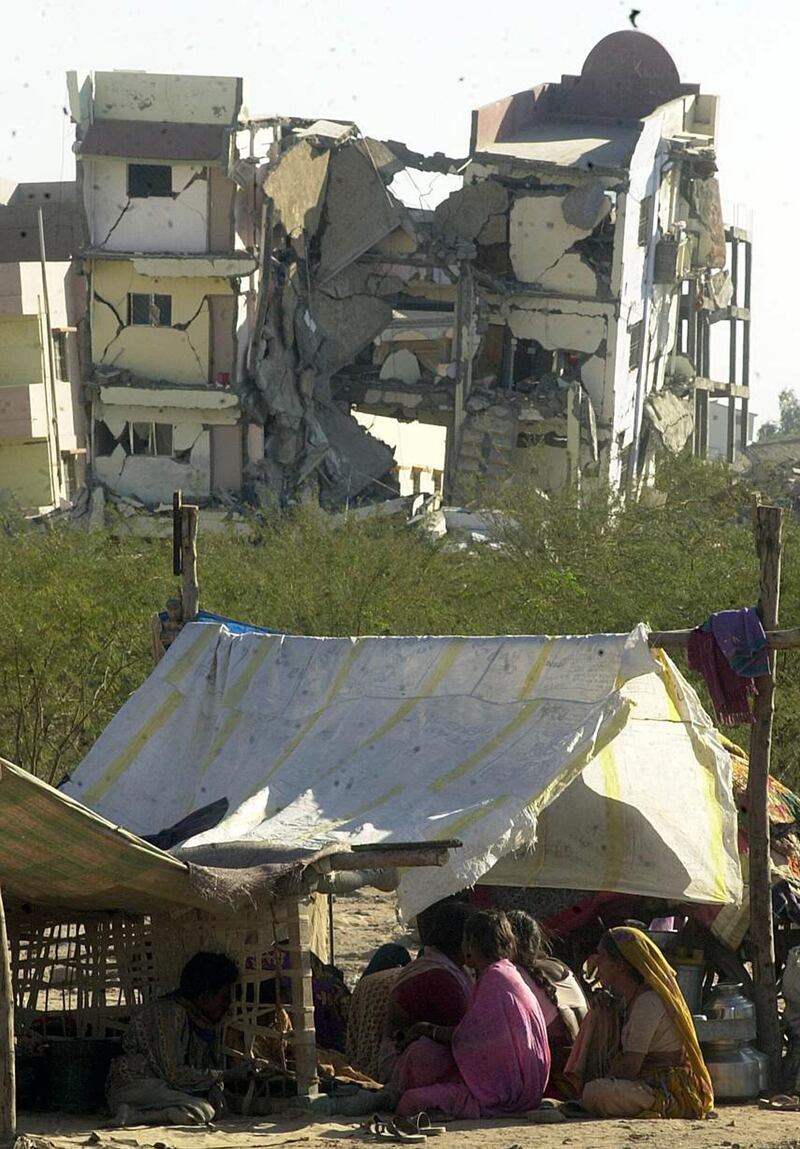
(781, 1103)
(388, 1131)
(421, 1124)
(398, 1134)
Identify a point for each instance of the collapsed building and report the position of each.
(260, 288)
(554, 312)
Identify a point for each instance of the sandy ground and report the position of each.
(364, 921)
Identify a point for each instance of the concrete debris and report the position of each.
(586, 205)
(671, 418)
(473, 214)
(358, 211)
(528, 313)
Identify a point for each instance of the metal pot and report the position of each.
(735, 1074)
(762, 1061)
(726, 1002)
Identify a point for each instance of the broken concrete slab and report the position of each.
(467, 214)
(356, 459)
(671, 418)
(295, 185)
(586, 205)
(359, 212)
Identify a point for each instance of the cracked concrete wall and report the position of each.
(560, 324)
(151, 479)
(540, 235)
(168, 353)
(176, 223)
(175, 99)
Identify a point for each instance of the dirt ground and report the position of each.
(364, 921)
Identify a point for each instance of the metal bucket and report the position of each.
(690, 979)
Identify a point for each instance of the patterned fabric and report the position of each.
(367, 1019)
(169, 1040)
(683, 1091)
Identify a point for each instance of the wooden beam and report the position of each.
(302, 1008)
(190, 589)
(776, 639)
(386, 859)
(8, 1087)
(769, 544)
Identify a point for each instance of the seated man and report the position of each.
(171, 1070)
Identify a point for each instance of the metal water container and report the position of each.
(738, 1071)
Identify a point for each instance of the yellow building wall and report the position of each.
(25, 472)
(20, 350)
(153, 352)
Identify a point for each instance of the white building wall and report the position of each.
(32, 294)
(151, 224)
(418, 447)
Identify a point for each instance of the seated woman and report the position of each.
(434, 987)
(171, 1070)
(555, 987)
(366, 1018)
(496, 1061)
(652, 1065)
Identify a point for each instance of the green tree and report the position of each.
(788, 417)
(75, 608)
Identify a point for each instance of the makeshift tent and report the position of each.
(100, 921)
(576, 761)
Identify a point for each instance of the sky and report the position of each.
(414, 71)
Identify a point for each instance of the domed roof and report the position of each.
(626, 75)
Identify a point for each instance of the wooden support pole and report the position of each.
(762, 946)
(776, 639)
(190, 590)
(302, 1009)
(8, 1087)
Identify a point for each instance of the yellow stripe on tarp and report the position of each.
(179, 668)
(220, 741)
(535, 672)
(337, 684)
(670, 685)
(714, 809)
(523, 716)
(442, 667)
(136, 744)
(511, 727)
(615, 817)
(234, 694)
(453, 829)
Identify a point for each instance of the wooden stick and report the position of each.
(776, 639)
(8, 1085)
(302, 1007)
(762, 945)
(386, 859)
(190, 590)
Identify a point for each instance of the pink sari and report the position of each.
(390, 1059)
(499, 1060)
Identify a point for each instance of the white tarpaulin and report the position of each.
(313, 740)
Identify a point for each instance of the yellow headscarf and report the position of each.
(648, 960)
